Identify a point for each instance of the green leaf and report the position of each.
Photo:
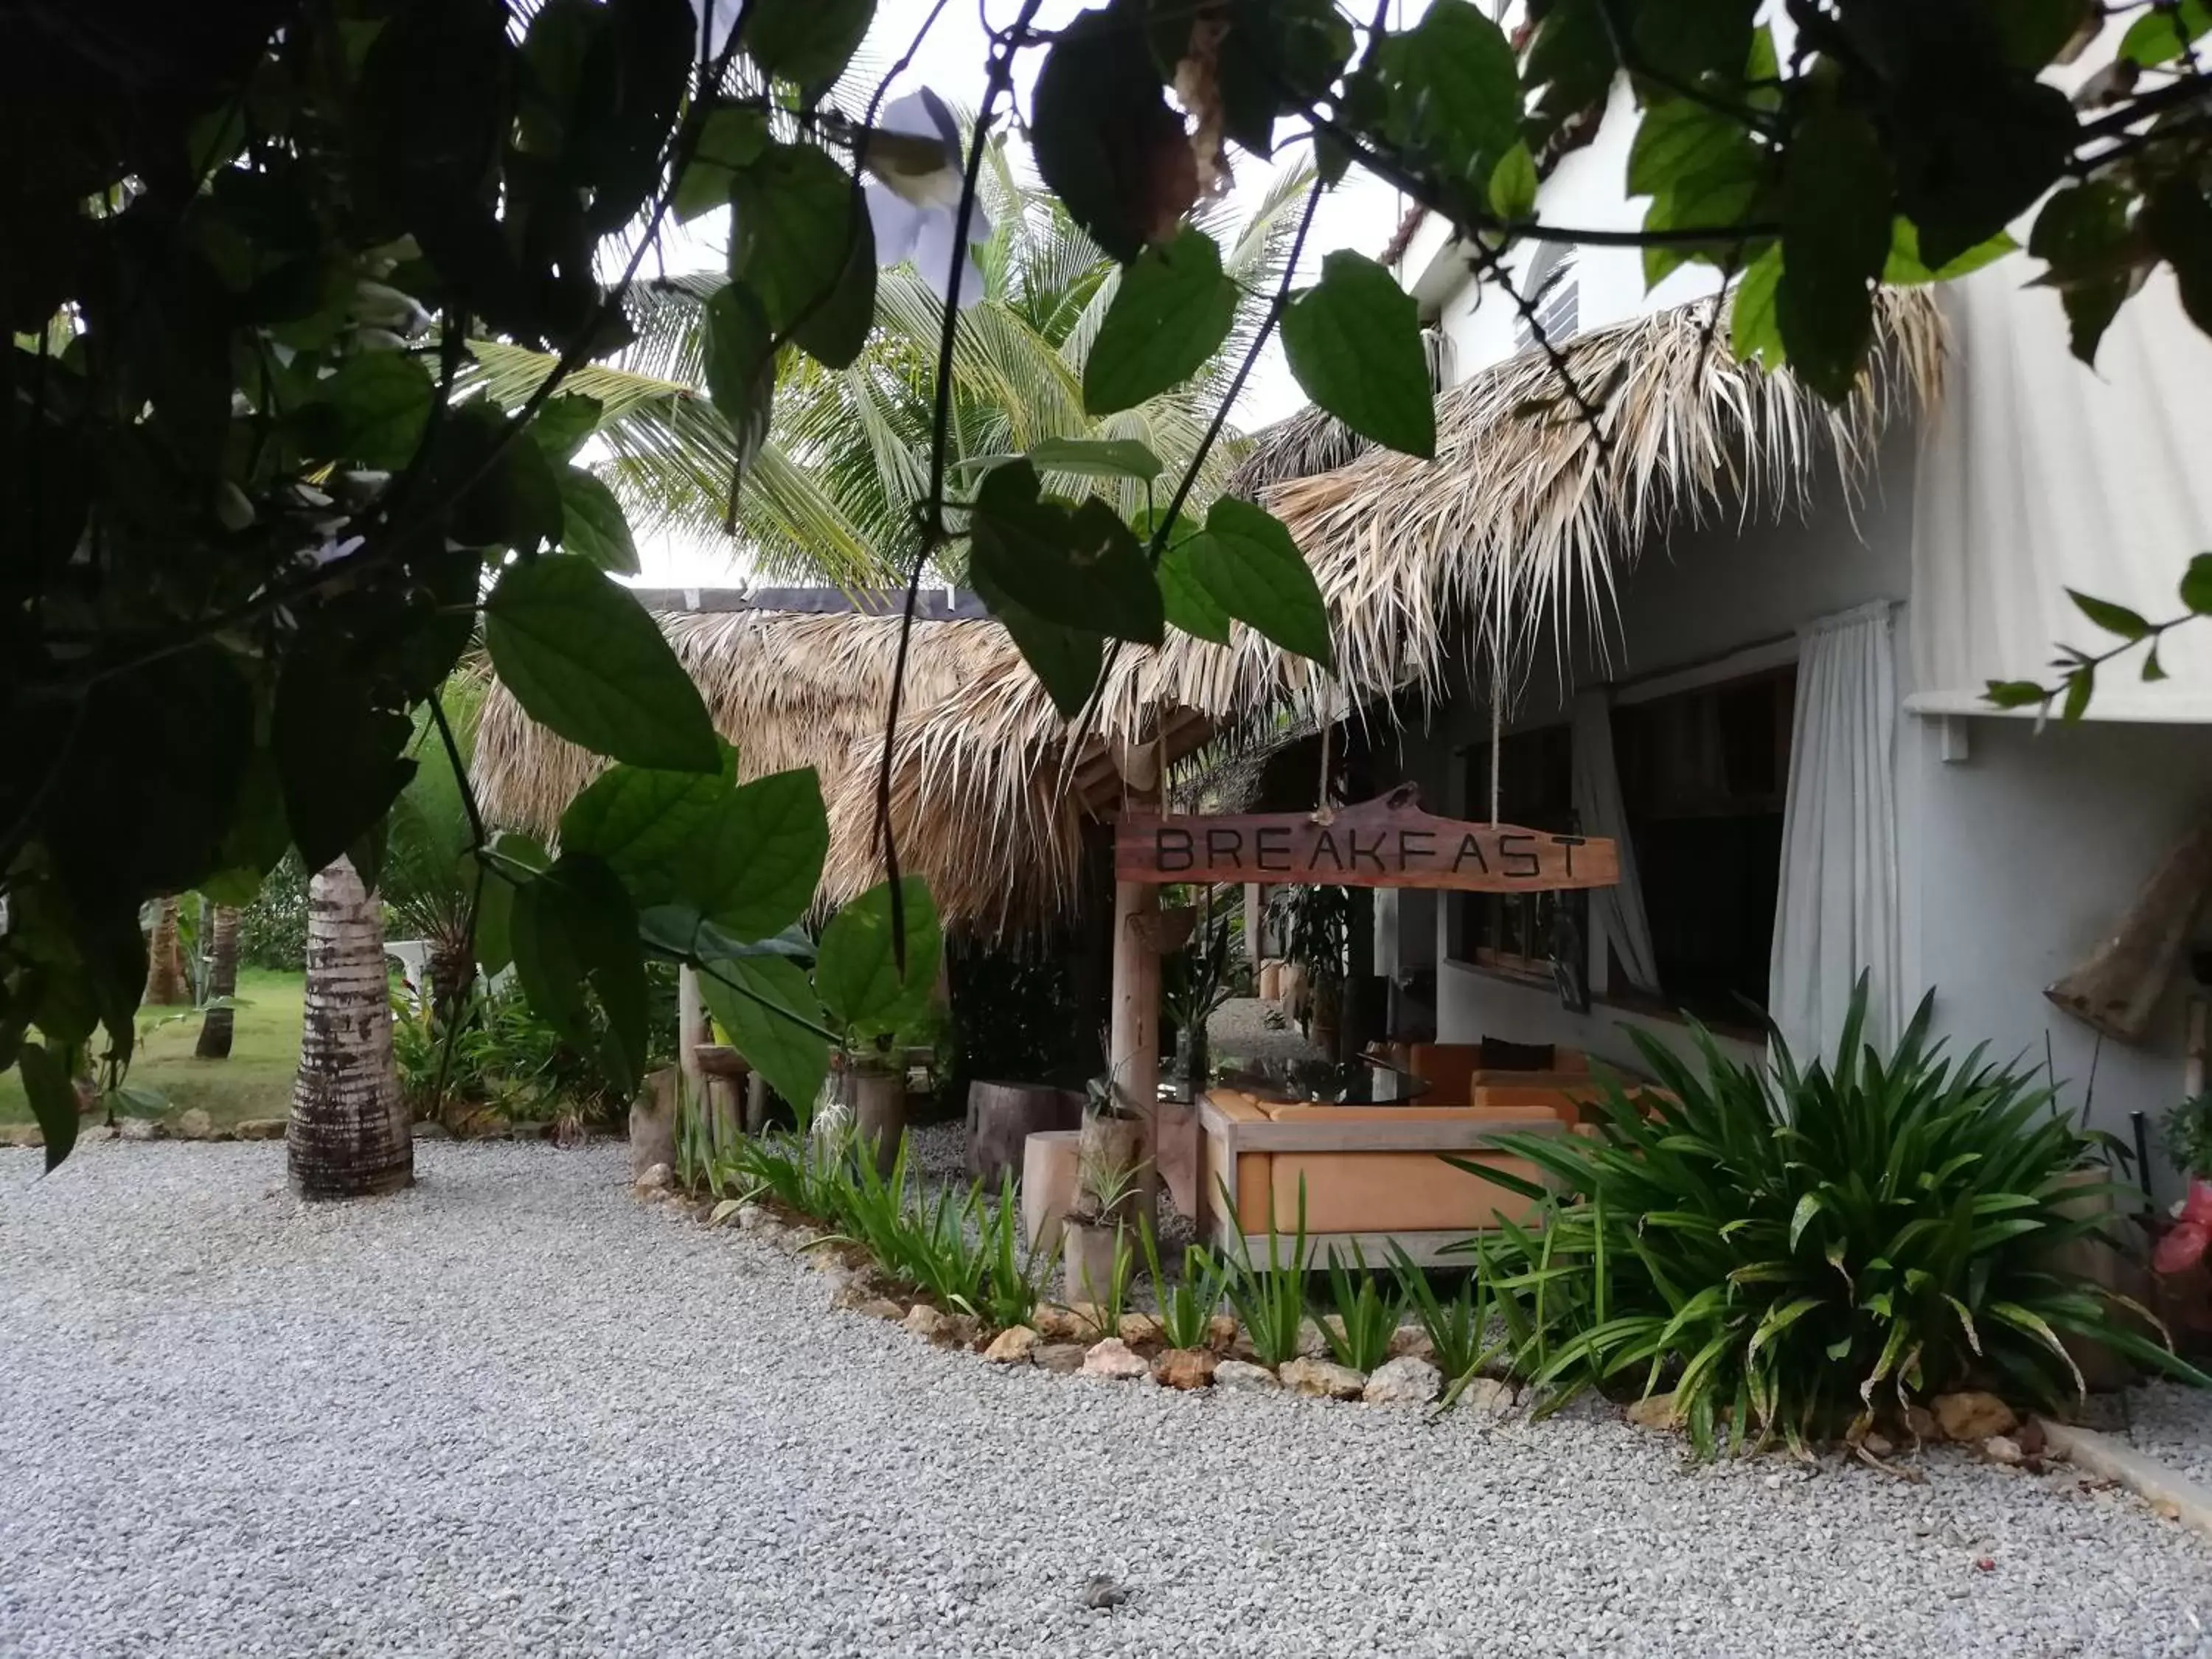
(1354, 342)
(729, 138)
(1101, 134)
(802, 241)
(592, 525)
(2080, 686)
(2113, 618)
(1079, 568)
(1904, 268)
(2015, 694)
(585, 660)
(52, 1097)
(1801, 1218)
(575, 927)
(857, 971)
(1171, 315)
(2032, 32)
(341, 760)
(1454, 89)
(2085, 233)
(1276, 55)
(1678, 140)
(809, 41)
(1513, 185)
(756, 862)
(1096, 458)
(792, 1058)
(562, 424)
(1714, 199)
(1247, 560)
(1752, 330)
(382, 401)
(2178, 221)
(515, 857)
(739, 350)
(648, 825)
(1065, 660)
(2197, 585)
(1189, 606)
(1836, 225)
(2163, 34)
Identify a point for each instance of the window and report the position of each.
(1552, 292)
(1513, 931)
(1702, 777)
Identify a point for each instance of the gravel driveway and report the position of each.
(514, 1411)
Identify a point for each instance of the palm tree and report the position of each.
(219, 1023)
(165, 978)
(349, 1135)
(828, 493)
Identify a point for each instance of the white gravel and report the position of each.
(2173, 1424)
(515, 1411)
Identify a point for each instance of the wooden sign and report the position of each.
(1386, 842)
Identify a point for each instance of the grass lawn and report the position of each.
(256, 1081)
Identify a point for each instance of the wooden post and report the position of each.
(1133, 1049)
(691, 1028)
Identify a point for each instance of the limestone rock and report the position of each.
(1058, 1324)
(1312, 1343)
(1973, 1416)
(857, 1288)
(1406, 1381)
(2003, 1448)
(1112, 1358)
(883, 1307)
(1410, 1341)
(757, 1219)
(1921, 1423)
(1185, 1368)
(427, 1130)
(1221, 1333)
(140, 1128)
(192, 1124)
(1241, 1376)
(657, 1178)
(260, 1128)
(1655, 1412)
(1139, 1328)
(20, 1134)
(930, 1325)
(965, 1329)
(1060, 1358)
(1878, 1444)
(1321, 1379)
(1015, 1346)
(1486, 1396)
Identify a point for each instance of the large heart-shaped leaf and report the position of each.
(761, 1001)
(647, 824)
(858, 972)
(1247, 560)
(585, 660)
(1354, 342)
(756, 860)
(1169, 315)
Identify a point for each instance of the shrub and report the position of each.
(1271, 1298)
(1454, 1325)
(2187, 1131)
(1187, 1303)
(1366, 1317)
(1802, 1250)
(272, 929)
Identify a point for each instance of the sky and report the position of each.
(952, 60)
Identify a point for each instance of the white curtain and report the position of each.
(1616, 913)
(1837, 912)
(2038, 474)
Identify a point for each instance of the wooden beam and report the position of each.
(1134, 1052)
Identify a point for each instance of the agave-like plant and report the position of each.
(1797, 1252)
(828, 494)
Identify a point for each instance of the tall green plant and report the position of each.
(1454, 1325)
(1808, 1249)
(1270, 1298)
(1187, 1303)
(1366, 1316)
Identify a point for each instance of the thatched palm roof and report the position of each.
(1424, 565)
(1430, 570)
(788, 688)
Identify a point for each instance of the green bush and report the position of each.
(1187, 1303)
(1794, 1252)
(504, 1057)
(273, 930)
(1270, 1296)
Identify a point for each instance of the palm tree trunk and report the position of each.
(349, 1135)
(165, 979)
(217, 1024)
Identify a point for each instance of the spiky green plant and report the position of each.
(1801, 1250)
(1366, 1317)
(1454, 1324)
(1187, 1303)
(1270, 1298)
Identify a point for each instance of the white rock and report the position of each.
(657, 1178)
(1015, 1346)
(193, 1124)
(1321, 1379)
(1235, 1375)
(1113, 1358)
(1486, 1396)
(1405, 1381)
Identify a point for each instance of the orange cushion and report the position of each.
(1392, 1192)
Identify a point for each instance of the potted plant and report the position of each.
(1109, 1192)
(2188, 1132)
(1313, 925)
(1194, 984)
